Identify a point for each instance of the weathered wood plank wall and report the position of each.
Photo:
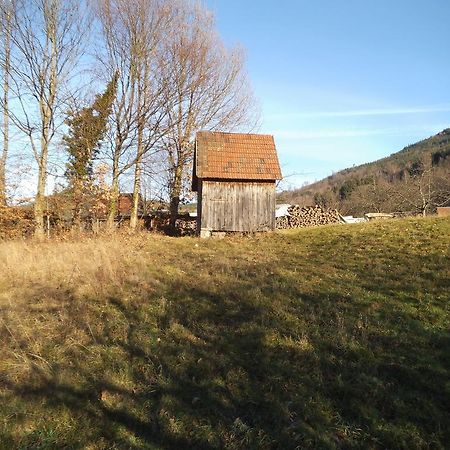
(236, 206)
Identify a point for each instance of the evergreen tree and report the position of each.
(87, 128)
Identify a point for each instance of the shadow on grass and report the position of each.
(229, 366)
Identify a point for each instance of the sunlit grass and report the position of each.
(335, 337)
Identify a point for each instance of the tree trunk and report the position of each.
(137, 180)
(113, 205)
(77, 198)
(174, 205)
(46, 104)
(175, 195)
(424, 209)
(7, 63)
(39, 202)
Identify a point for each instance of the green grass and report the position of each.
(334, 337)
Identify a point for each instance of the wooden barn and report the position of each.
(235, 176)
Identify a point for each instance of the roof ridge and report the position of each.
(234, 133)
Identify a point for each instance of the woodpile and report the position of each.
(158, 221)
(307, 216)
(186, 226)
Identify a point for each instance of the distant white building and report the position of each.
(282, 210)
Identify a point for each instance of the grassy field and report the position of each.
(334, 337)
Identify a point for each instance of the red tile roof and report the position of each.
(236, 156)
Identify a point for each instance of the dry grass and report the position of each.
(326, 338)
(91, 262)
(46, 289)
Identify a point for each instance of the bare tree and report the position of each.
(427, 187)
(374, 196)
(208, 89)
(133, 33)
(47, 40)
(6, 13)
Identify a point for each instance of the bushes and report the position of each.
(15, 222)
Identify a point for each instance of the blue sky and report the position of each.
(342, 82)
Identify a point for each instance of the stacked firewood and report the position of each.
(186, 226)
(307, 216)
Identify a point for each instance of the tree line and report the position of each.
(121, 84)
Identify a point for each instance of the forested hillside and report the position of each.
(414, 180)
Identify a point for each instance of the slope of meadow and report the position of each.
(334, 337)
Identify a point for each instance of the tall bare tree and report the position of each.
(133, 34)
(6, 13)
(47, 40)
(208, 90)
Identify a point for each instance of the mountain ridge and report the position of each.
(402, 174)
